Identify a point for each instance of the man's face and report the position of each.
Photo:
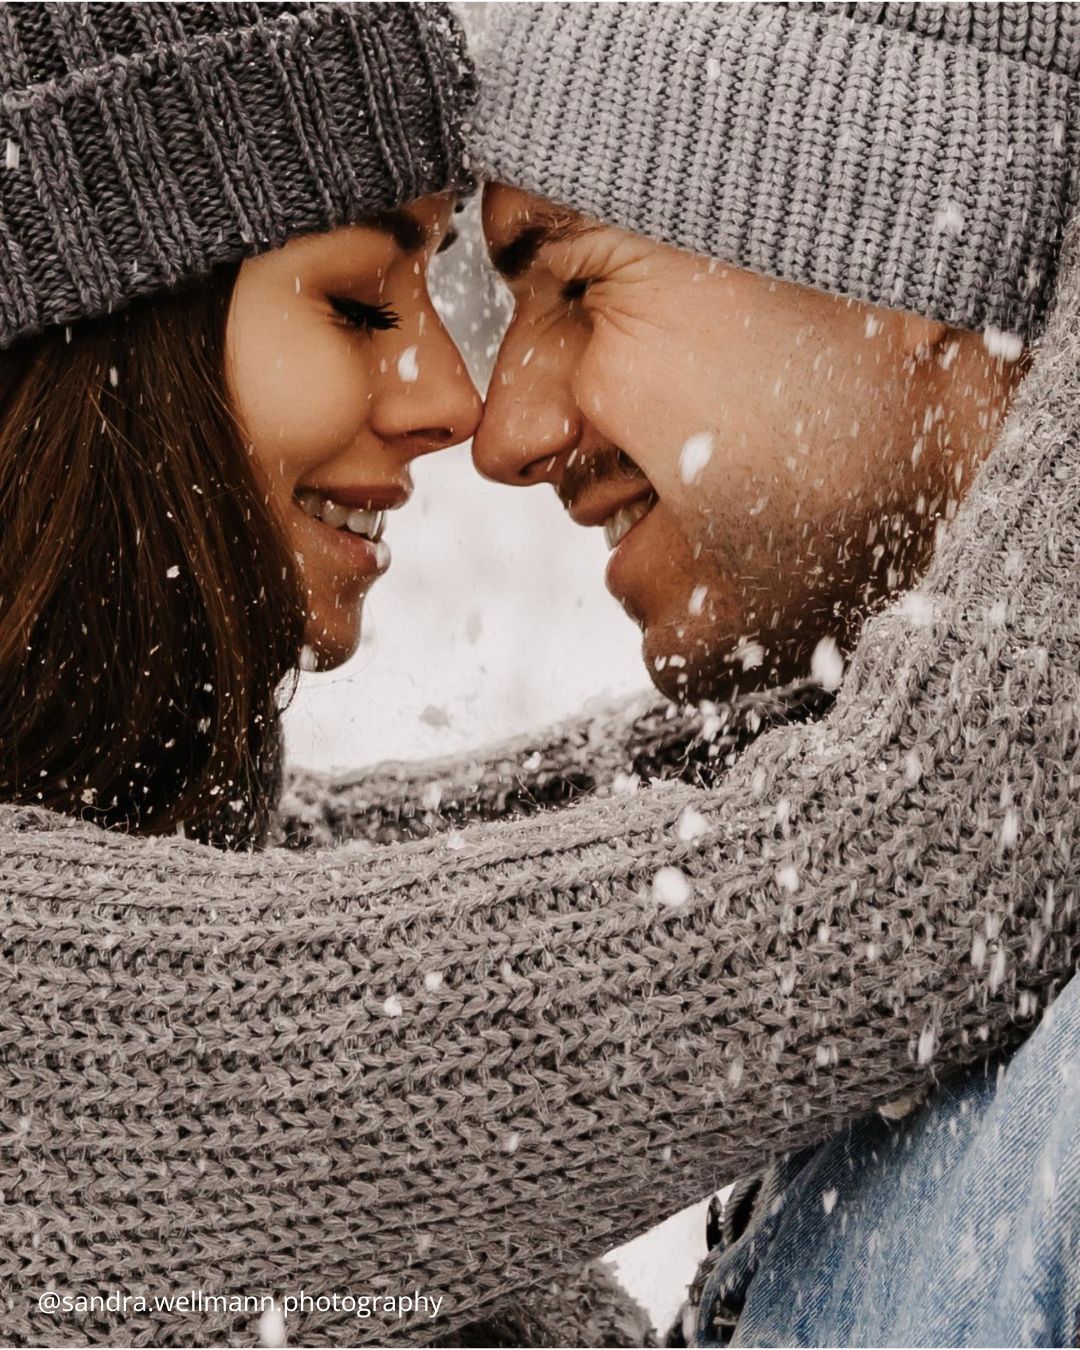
(768, 460)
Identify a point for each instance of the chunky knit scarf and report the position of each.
(462, 1064)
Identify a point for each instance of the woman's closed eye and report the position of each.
(367, 318)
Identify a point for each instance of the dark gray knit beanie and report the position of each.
(917, 156)
(141, 144)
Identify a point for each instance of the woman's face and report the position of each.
(341, 374)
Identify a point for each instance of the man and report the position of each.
(767, 461)
(776, 272)
(786, 452)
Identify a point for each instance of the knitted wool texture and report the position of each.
(145, 143)
(921, 157)
(464, 1064)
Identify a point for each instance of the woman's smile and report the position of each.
(350, 539)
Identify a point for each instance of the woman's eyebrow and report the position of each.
(554, 226)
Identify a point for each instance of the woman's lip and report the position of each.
(361, 554)
(372, 497)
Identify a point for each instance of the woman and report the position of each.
(453, 1067)
(201, 480)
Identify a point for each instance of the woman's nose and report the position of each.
(530, 421)
(427, 400)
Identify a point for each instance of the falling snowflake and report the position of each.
(787, 878)
(271, 1328)
(433, 981)
(690, 825)
(828, 1200)
(827, 665)
(749, 655)
(1006, 346)
(392, 1006)
(671, 886)
(949, 219)
(694, 456)
(917, 609)
(408, 367)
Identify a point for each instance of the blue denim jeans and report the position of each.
(958, 1225)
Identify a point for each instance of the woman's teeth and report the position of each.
(368, 523)
(618, 526)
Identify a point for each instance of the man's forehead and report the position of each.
(518, 224)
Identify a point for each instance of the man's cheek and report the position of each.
(620, 387)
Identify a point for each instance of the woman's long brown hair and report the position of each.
(149, 608)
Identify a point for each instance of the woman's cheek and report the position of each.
(315, 395)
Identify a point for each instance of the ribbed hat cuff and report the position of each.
(898, 169)
(135, 172)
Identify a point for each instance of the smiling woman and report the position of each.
(342, 373)
(212, 390)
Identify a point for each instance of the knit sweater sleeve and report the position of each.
(457, 1071)
(607, 752)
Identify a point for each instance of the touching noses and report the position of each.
(531, 420)
(427, 400)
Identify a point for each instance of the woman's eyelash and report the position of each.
(369, 318)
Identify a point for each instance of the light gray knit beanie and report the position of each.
(916, 156)
(142, 144)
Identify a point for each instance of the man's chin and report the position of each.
(691, 667)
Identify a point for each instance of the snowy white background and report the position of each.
(492, 620)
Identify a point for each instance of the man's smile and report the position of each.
(619, 525)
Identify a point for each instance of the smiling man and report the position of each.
(776, 272)
(768, 461)
(769, 309)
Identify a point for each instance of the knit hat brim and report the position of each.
(169, 139)
(892, 167)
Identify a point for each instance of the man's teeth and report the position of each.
(368, 523)
(618, 526)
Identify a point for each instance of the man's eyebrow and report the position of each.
(549, 227)
(407, 232)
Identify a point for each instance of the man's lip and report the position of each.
(600, 504)
(366, 497)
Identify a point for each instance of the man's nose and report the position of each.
(531, 421)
